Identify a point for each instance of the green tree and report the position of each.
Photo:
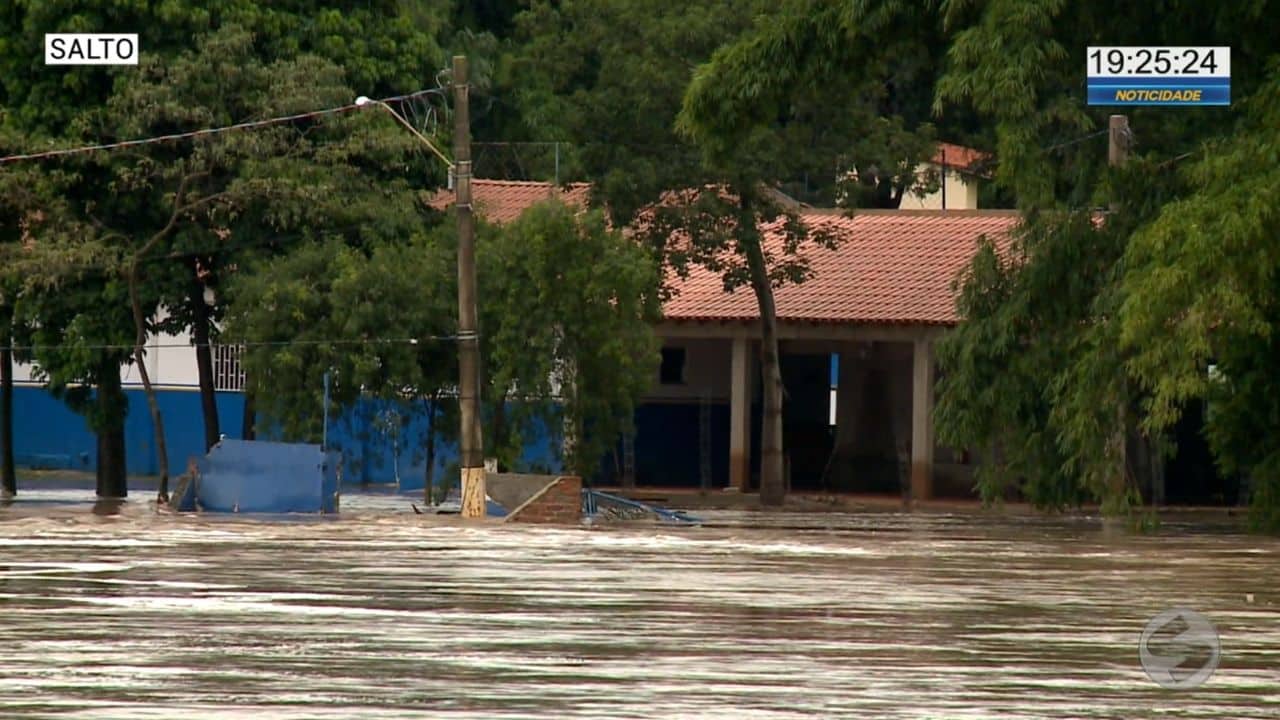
(181, 200)
(19, 206)
(609, 78)
(696, 155)
(568, 307)
(843, 86)
(1032, 375)
(73, 320)
(261, 182)
(1202, 286)
(379, 47)
(383, 46)
(324, 307)
(1088, 327)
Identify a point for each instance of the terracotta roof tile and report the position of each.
(958, 156)
(502, 201)
(892, 267)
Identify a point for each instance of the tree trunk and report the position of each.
(200, 326)
(162, 450)
(249, 430)
(140, 337)
(112, 405)
(99, 469)
(8, 475)
(428, 475)
(772, 481)
(571, 425)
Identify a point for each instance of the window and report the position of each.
(671, 371)
(227, 373)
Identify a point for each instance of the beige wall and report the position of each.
(961, 192)
(706, 368)
(866, 432)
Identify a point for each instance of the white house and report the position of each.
(959, 170)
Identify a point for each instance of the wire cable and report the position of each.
(80, 265)
(205, 132)
(1074, 141)
(248, 343)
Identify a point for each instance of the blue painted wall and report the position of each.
(49, 435)
(668, 446)
(372, 437)
(381, 441)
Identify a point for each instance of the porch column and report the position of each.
(739, 414)
(922, 421)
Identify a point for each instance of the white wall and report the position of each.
(171, 361)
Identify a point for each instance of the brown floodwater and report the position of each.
(381, 613)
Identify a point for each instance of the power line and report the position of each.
(1075, 141)
(1175, 160)
(612, 144)
(247, 125)
(161, 257)
(248, 343)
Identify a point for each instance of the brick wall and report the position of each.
(560, 502)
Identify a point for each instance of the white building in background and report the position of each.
(171, 362)
(959, 170)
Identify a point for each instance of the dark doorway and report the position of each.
(806, 418)
(1191, 476)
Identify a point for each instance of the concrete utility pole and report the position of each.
(1147, 465)
(472, 451)
(1118, 141)
(1117, 154)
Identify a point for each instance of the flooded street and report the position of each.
(380, 613)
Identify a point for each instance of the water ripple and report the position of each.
(384, 614)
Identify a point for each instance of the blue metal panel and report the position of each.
(329, 485)
(267, 477)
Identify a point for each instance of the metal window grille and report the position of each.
(227, 371)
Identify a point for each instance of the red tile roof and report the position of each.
(893, 267)
(958, 156)
(501, 201)
(890, 266)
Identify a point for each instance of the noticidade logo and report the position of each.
(1184, 95)
(91, 49)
